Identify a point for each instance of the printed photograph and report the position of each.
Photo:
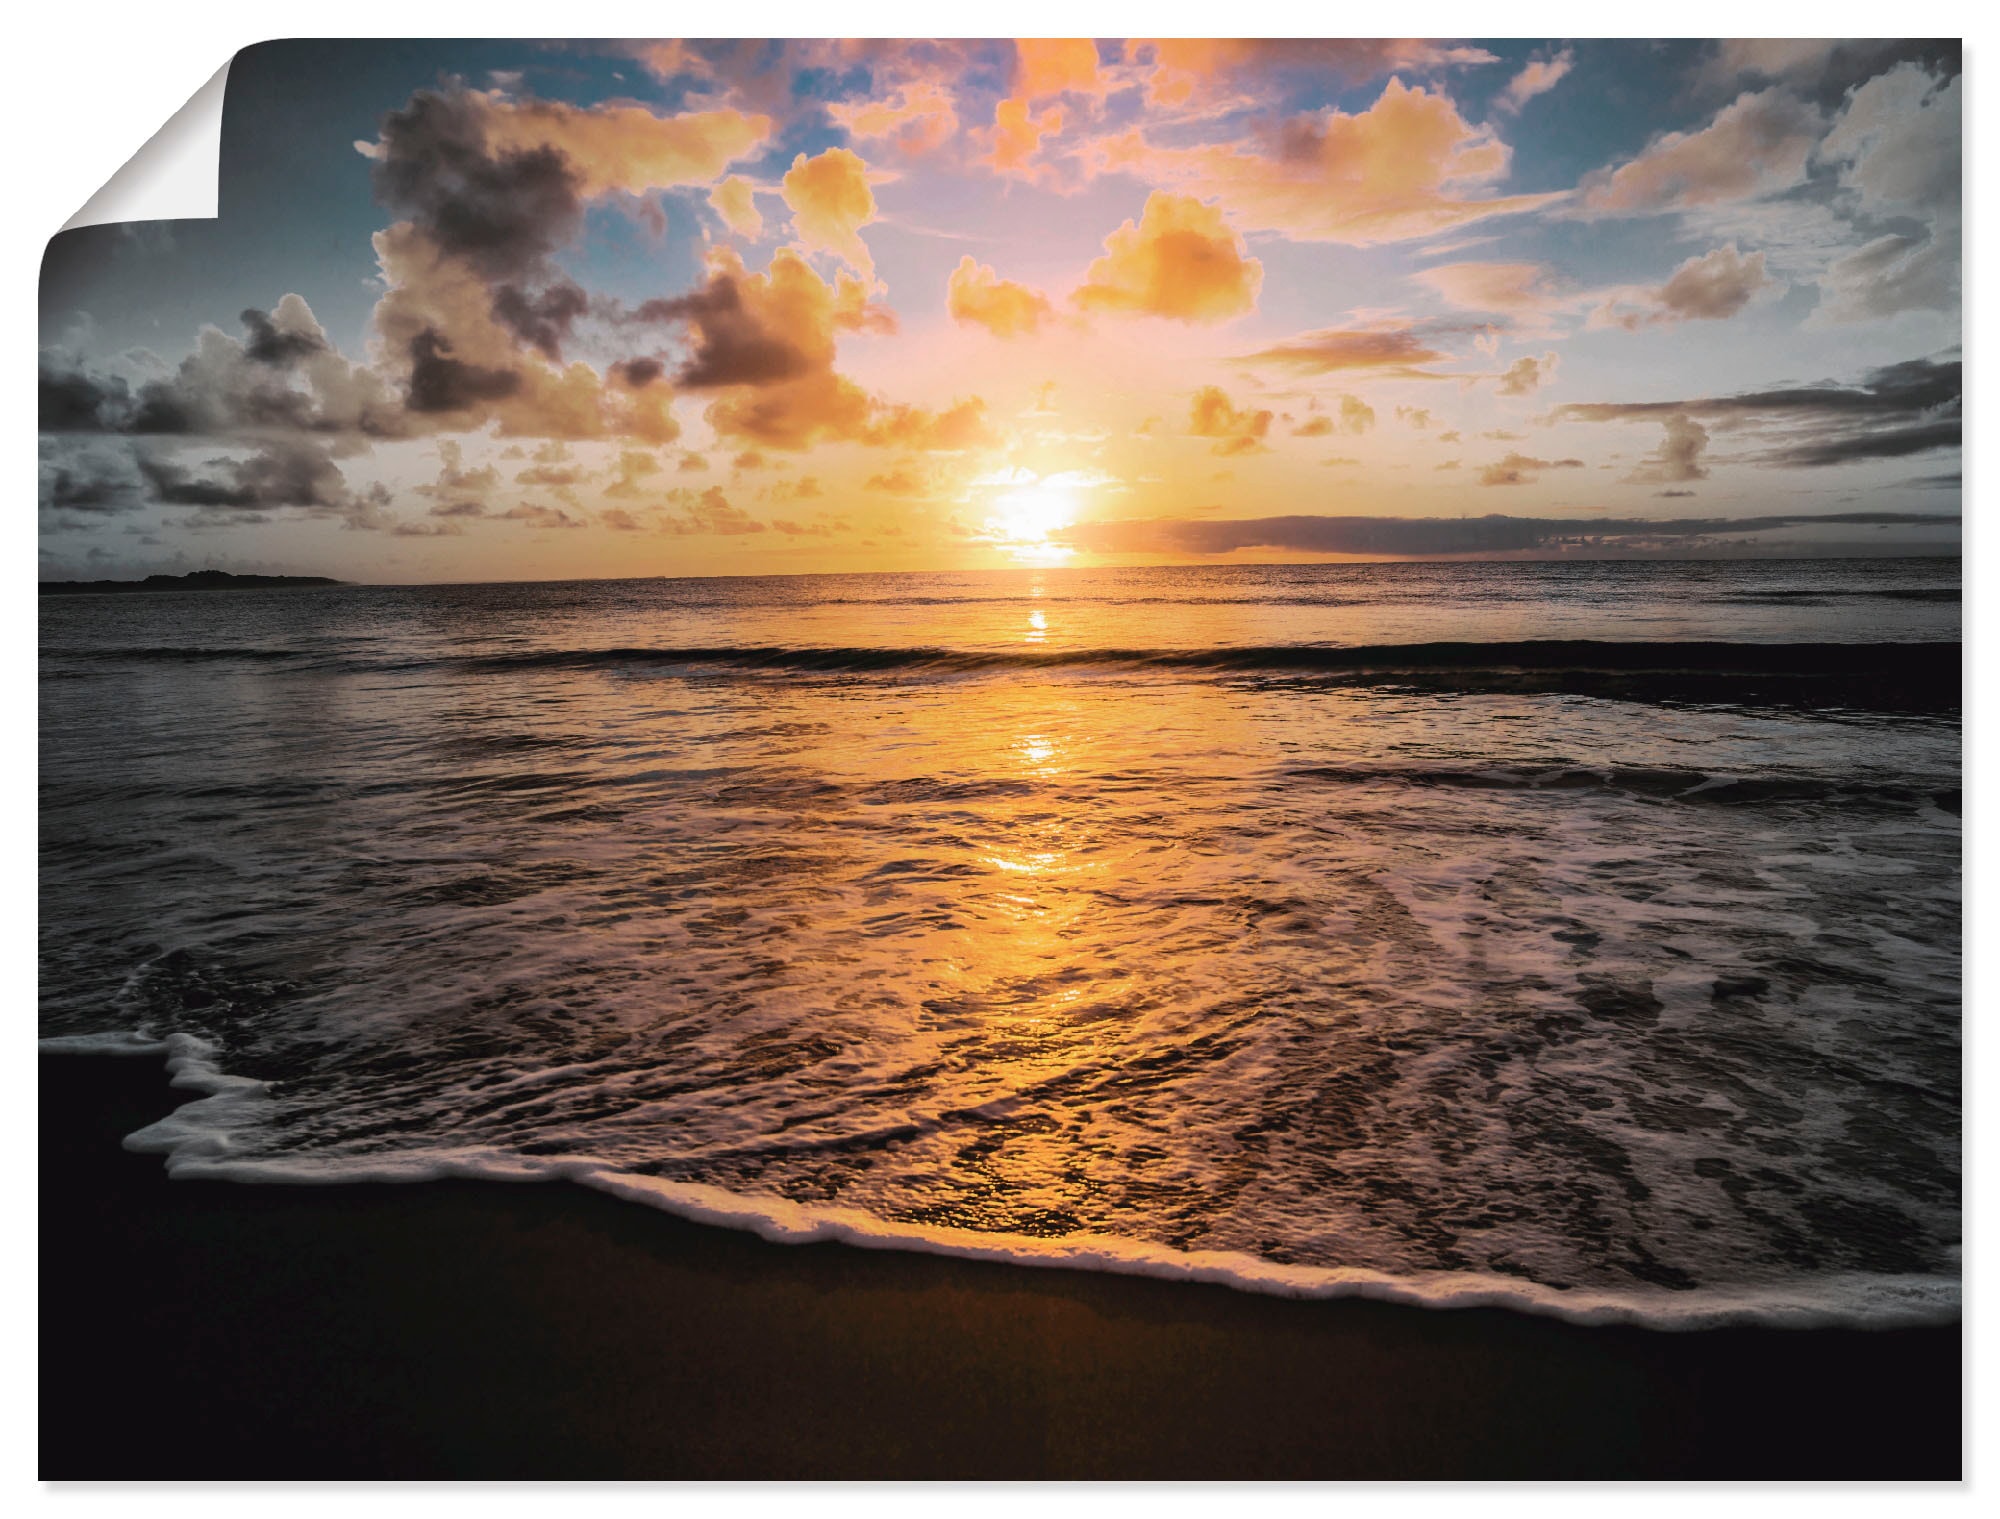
(1011, 759)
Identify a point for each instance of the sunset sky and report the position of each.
(516, 310)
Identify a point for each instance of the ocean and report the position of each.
(1580, 938)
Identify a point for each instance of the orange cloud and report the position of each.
(1180, 260)
(1406, 167)
(624, 148)
(1015, 135)
(1188, 70)
(976, 295)
(1214, 415)
(735, 201)
(916, 119)
(1397, 350)
(1057, 66)
(1538, 78)
(830, 202)
(766, 342)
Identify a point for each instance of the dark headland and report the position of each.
(194, 580)
(486, 1330)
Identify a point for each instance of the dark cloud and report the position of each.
(283, 377)
(72, 401)
(503, 212)
(1424, 536)
(440, 383)
(281, 475)
(1901, 409)
(279, 346)
(733, 345)
(79, 477)
(1885, 443)
(543, 320)
(637, 374)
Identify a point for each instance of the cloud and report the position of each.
(88, 476)
(1418, 537)
(501, 209)
(759, 329)
(710, 512)
(1045, 66)
(1892, 274)
(917, 119)
(297, 473)
(625, 149)
(1537, 78)
(831, 202)
(462, 365)
(286, 377)
(766, 342)
(1519, 469)
(441, 383)
(1515, 289)
(1678, 458)
(1409, 166)
(898, 482)
(285, 338)
(1757, 145)
(542, 321)
(476, 314)
(459, 491)
(1213, 415)
(1016, 136)
(1901, 409)
(635, 467)
(1898, 146)
(1180, 260)
(1044, 69)
(1356, 416)
(1715, 285)
(1900, 143)
(1711, 287)
(977, 296)
(1219, 73)
(1398, 351)
(735, 201)
(1526, 375)
(538, 514)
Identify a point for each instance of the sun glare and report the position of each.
(1025, 523)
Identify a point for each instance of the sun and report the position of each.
(1025, 523)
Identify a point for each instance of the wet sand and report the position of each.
(464, 1330)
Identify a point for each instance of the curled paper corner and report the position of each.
(174, 176)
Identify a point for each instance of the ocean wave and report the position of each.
(1894, 676)
(1635, 656)
(1666, 783)
(196, 1143)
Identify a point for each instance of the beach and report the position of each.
(485, 1330)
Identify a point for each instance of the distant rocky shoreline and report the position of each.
(196, 580)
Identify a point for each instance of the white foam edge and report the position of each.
(196, 1143)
